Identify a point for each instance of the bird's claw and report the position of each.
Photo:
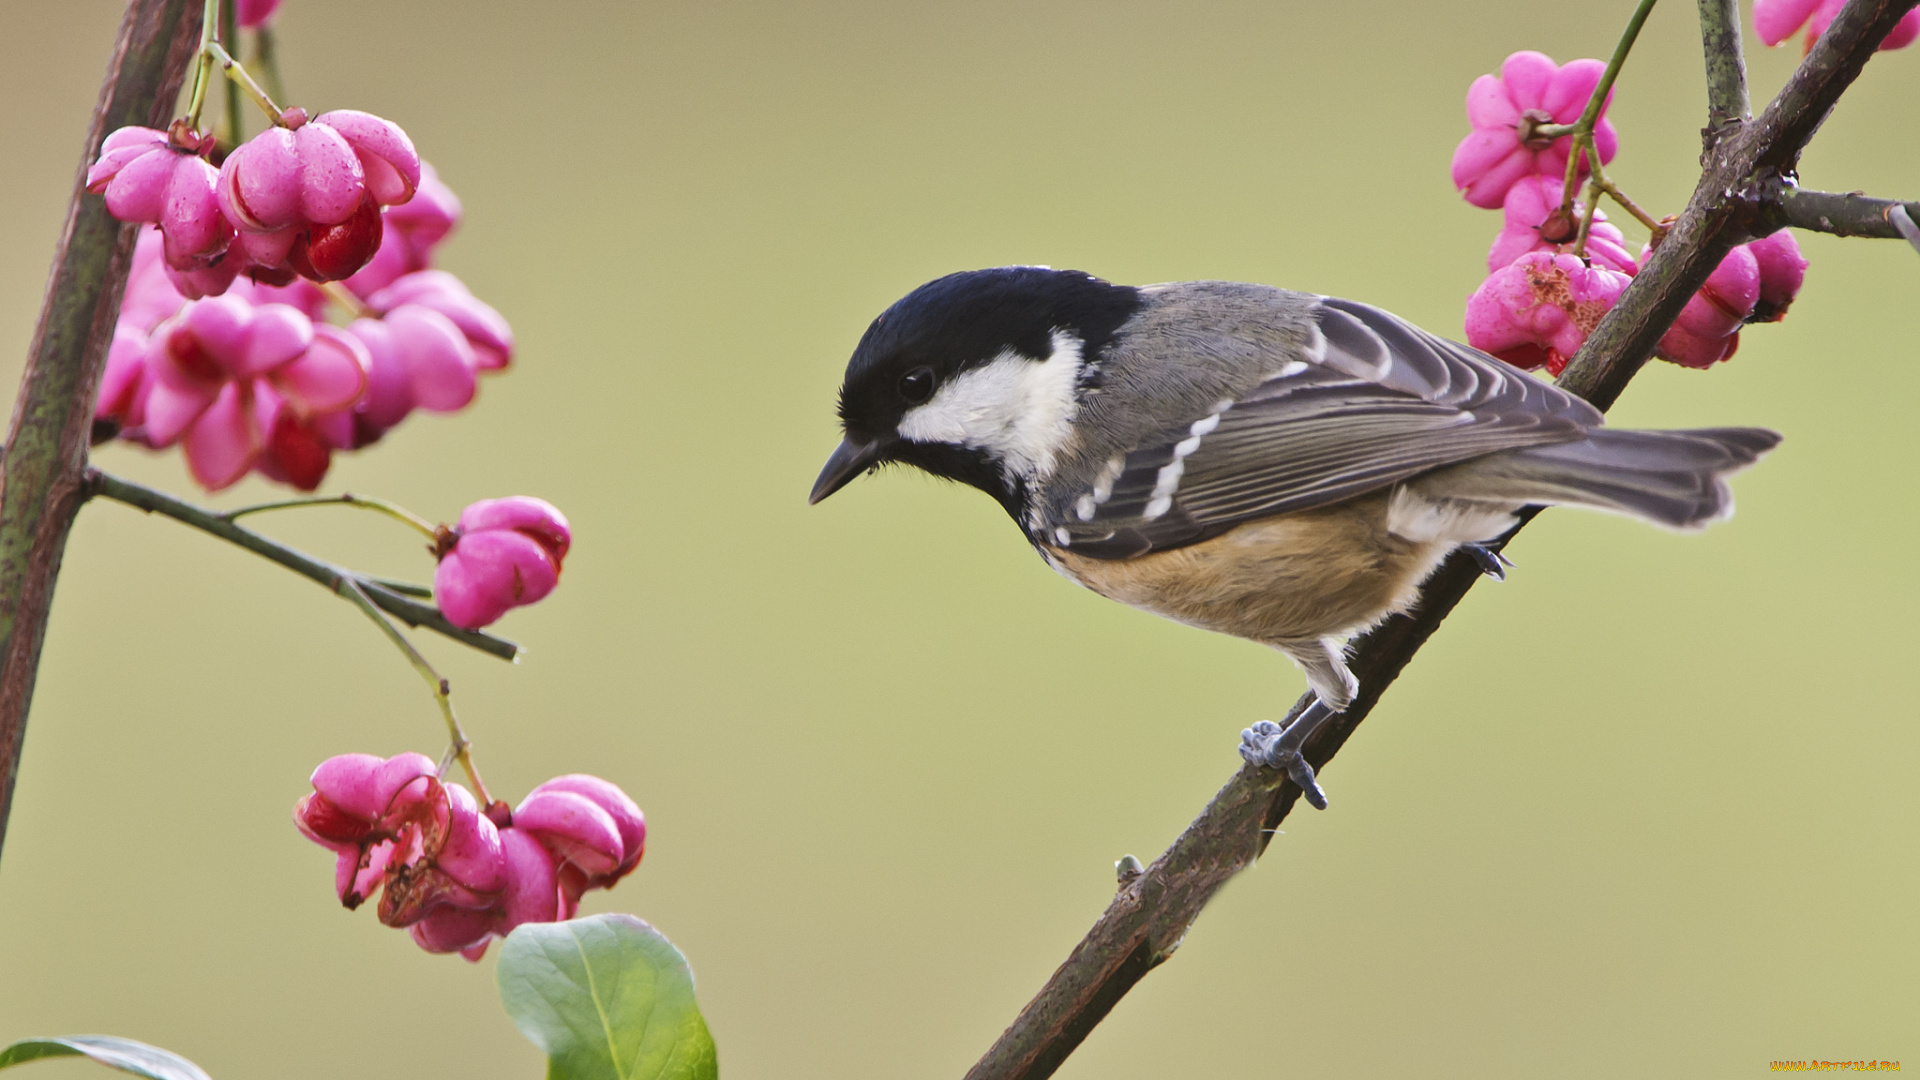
(1492, 563)
(1269, 745)
(1258, 740)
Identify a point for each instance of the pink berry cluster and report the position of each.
(1542, 298)
(242, 370)
(504, 553)
(456, 874)
(302, 197)
(1777, 20)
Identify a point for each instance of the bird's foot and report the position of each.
(1268, 744)
(1492, 563)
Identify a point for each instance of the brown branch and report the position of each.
(1147, 920)
(1851, 214)
(46, 448)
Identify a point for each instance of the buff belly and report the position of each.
(1287, 581)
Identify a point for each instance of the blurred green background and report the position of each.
(1649, 806)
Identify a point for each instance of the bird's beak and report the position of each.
(849, 460)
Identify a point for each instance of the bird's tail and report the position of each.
(1671, 478)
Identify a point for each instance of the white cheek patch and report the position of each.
(1017, 409)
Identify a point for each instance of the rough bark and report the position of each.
(46, 449)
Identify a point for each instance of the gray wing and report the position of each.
(1375, 401)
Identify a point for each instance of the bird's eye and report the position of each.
(917, 385)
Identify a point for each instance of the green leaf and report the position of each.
(607, 998)
(124, 1054)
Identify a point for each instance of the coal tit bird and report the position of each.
(1279, 466)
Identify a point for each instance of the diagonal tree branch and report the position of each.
(1743, 178)
(47, 446)
(1790, 120)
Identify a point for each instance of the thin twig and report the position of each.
(1597, 101)
(459, 748)
(1587, 214)
(230, 114)
(404, 588)
(346, 498)
(1151, 915)
(1570, 184)
(268, 62)
(1602, 182)
(1850, 214)
(203, 64)
(412, 612)
(237, 72)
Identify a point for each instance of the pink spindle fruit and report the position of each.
(211, 363)
(1538, 311)
(457, 877)
(1530, 90)
(1782, 271)
(307, 193)
(505, 553)
(1708, 329)
(148, 177)
(486, 331)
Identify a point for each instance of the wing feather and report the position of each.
(1375, 402)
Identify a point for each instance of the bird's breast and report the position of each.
(1330, 571)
